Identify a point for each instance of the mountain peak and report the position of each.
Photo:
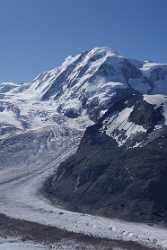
(86, 84)
(103, 50)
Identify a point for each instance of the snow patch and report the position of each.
(158, 101)
(8, 117)
(120, 122)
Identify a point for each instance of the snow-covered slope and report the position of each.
(135, 118)
(158, 101)
(8, 86)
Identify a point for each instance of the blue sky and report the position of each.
(36, 35)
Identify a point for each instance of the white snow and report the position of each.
(9, 118)
(148, 67)
(159, 82)
(157, 100)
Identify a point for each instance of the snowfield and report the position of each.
(18, 245)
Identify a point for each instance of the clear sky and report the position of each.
(36, 35)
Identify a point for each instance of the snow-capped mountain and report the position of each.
(119, 168)
(96, 73)
(77, 92)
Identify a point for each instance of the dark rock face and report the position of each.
(103, 178)
(122, 182)
(144, 114)
(72, 113)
